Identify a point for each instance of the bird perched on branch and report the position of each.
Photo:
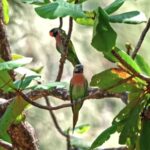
(60, 37)
(78, 91)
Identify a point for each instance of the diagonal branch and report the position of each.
(135, 73)
(6, 145)
(54, 118)
(64, 55)
(5, 52)
(60, 22)
(141, 39)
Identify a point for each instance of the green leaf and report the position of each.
(5, 80)
(82, 128)
(16, 56)
(132, 17)
(104, 136)
(13, 111)
(5, 7)
(145, 135)
(10, 65)
(25, 71)
(60, 8)
(85, 21)
(128, 60)
(79, 1)
(36, 2)
(49, 86)
(124, 113)
(131, 128)
(25, 82)
(114, 6)
(144, 66)
(110, 80)
(109, 56)
(104, 37)
(88, 20)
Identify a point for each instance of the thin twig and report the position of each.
(128, 47)
(60, 22)
(6, 145)
(119, 83)
(119, 148)
(62, 94)
(124, 63)
(5, 52)
(93, 94)
(141, 39)
(59, 76)
(54, 118)
(26, 98)
(64, 55)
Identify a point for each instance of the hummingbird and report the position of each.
(78, 91)
(60, 37)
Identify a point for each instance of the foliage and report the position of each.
(130, 75)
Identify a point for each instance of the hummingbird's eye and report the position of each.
(53, 32)
(78, 68)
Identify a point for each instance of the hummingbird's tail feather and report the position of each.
(75, 119)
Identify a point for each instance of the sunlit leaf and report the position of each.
(114, 6)
(128, 60)
(111, 80)
(5, 7)
(36, 2)
(16, 56)
(6, 81)
(104, 37)
(60, 8)
(144, 66)
(25, 71)
(13, 111)
(132, 17)
(82, 128)
(10, 65)
(88, 20)
(49, 86)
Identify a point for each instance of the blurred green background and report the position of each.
(29, 35)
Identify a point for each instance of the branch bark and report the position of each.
(5, 52)
(6, 145)
(23, 136)
(141, 39)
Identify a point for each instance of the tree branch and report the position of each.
(119, 148)
(64, 55)
(23, 136)
(124, 63)
(54, 118)
(60, 22)
(141, 39)
(6, 145)
(5, 52)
